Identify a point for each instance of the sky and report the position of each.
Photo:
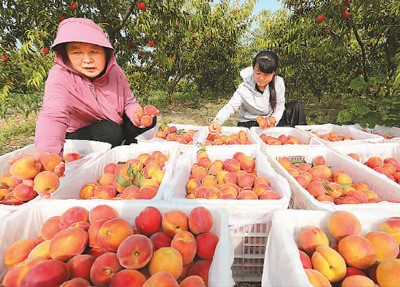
(271, 5)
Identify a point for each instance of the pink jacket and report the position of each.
(71, 101)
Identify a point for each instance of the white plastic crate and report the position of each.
(70, 187)
(282, 265)
(220, 274)
(234, 130)
(357, 135)
(248, 219)
(302, 199)
(150, 135)
(388, 133)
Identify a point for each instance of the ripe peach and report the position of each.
(135, 251)
(102, 211)
(342, 223)
(293, 171)
(192, 281)
(334, 189)
(316, 188)
(50, 227)
(106, 179)
(80, 265)
(150, 169)
(46, 182)
(131, 192)
(391, 226)
(110, 168)
(72, 215)
(41, 250)
(160, 239)
(319, 160)
(25, 168)
(354, 271)
(247, 194)
(230, 177)
(209, 181)
(354, 156)
(104, 192)
(161, 279)
(198, 172)
(49, 161)
(346, 200)
(325, 197)
(310, 237)
(148, 221)
(151, 110)
(166, 259)
(71, 156)
(104, 268)
(200, 220)
(93, 232)
(316, 278)
(270, 194)
(87, 190)
(24, 192)
(204, 162)
(206, 245)
(246, 180)
(112, 233)
(305, 259)
(374, 161)
(185, 243)
(285, 162)
(329, 262)
(128, 278)
(18, 251)
(201, 268)
(50, 273)
(231, 165)
(15, 274)
(387, 273)
(261, 188)
(192, 184)
(384, 244)
(146, 121)
(76, 282)
(68, 243)
(342, 178)
(357, 251)
(247, 163)
(357, 280)
(174, 221)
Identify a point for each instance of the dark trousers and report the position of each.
(110, 132)
(292, 115)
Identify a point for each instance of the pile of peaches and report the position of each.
(388, 166)
(30, 176)
(137, 178)
(144, 117)
(172, 133)
(280, 140)
(232, 178)
(352, 259)
(332, 136)
(266, 122)
(100, 248)
(325, 185)
(240, 138)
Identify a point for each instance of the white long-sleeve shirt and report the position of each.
(251, 102)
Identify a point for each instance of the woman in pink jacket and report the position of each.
(86, 95)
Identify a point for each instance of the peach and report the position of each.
(329, 262)
(104, 268)
(293, 171)
(158, 176)
(80, 265)
(231, 165)
(24, 192)
(128, 278)
(192, 184)
(261, 188)
(49, 161)
(374, 161)
(110, 168)
(247, 194)
(135, 251)
(46, 182)
(325, 197)
(230, 177)
(12, 182)
(357, 251)
(209, 181)
(269, 194)
(72, 215)
(102, 211)
(387, 273)
(160, 239)
(319, 160)
(309, 237)
(200, 191)
(147, 192)
(4, 178)
(354, 156)
(146, 121)
(357, 280)
(354, 271)
(200, 220)
(50, 227)
(112, 233)
(185, 243)
(49, 273)
(104, 192)
(41, 250)
(211, 193)
(359, 195)
(87, 190)
(14, 275)
(342, 178)
(148, 221)
(246, 180)
(71, 156)
(68, 243)
(206, 245)
(201, 268)
(285, 162)
(198, 172)
(192, 281)
(316, 188)
(76, 282)
(316, 278)
(384, 244)
(342, 223)
(204, 162)
(26, 167)
(166, 259)
(333, 189)
(161, 279)
(305, 259)
(106, 179)
(247, 163)
(131, 192)
(18, 251)
(392, 227)
(174, 221)
(360, 186)
(221, 176)
(150, 169)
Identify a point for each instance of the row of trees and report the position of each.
(343, 51)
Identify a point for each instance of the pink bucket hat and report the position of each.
(80, 30)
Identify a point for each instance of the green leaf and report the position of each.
(122, 180)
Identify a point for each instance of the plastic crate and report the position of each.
(388, 133)
(247, 218)
(357, 135)
(282, 265)
(220, 274)
(150, 135)
(249, 243)
(234, 130)
(302, 199)
(70, 188)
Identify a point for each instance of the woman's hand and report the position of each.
(214, 127)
